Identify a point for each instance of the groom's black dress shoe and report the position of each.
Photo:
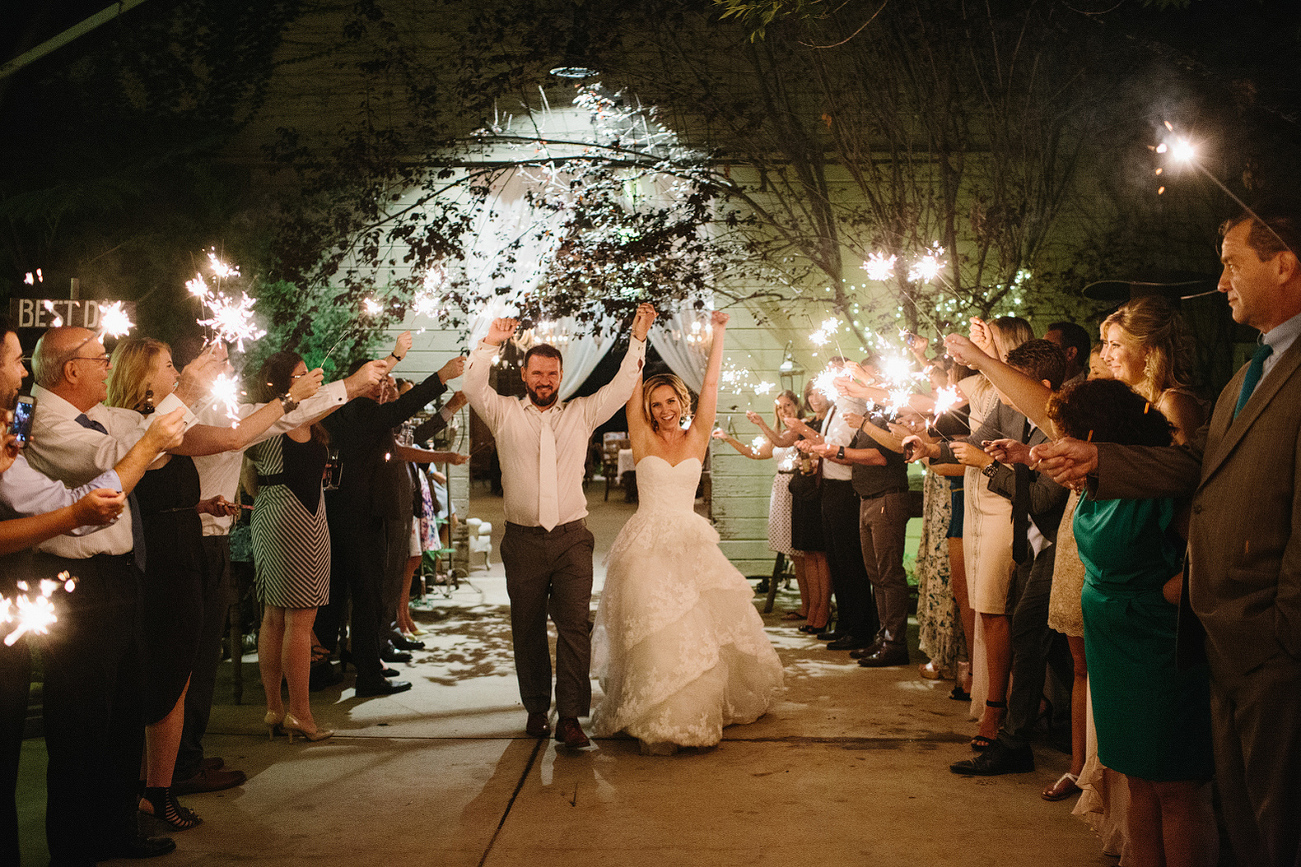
(831, 634)
(387, 687)
(885, 656)
(570, 733)
(995, 760)
(537, 726)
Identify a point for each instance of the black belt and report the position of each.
(885, 493)
(537, 531)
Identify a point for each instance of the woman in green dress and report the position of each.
(1152, 719)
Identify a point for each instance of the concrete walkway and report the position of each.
(850, 767)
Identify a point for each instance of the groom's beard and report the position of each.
(541, 400)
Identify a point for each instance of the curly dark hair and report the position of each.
(1108, 411)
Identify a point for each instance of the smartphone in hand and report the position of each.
(21, 427)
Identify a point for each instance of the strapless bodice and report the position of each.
(662, 486)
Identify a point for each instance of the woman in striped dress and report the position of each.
(291, 552)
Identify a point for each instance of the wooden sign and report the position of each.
(45, 313)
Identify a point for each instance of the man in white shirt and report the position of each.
(93, 702)
(547, 548)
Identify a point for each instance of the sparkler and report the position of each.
(33, 614)
(232, 319)
(226, 392)
(1184, 152)
(880, 268)
(113, 321)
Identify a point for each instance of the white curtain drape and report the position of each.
(669, 337)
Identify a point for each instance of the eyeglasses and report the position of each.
(98, 359)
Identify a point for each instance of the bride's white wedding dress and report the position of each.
(678, 647)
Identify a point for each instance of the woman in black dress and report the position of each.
(169, 505)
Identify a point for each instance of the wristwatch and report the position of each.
(990, 469)
(840, 453)
(395, 356)
(288, 402)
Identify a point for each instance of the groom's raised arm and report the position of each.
(607, 400)
(486, 402)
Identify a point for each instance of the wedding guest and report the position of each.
(1152, 716)
(780, 448)
(93, 688)
(219, 476)
(987, 523)
(362, 431)
(141, 374)
(34, 509)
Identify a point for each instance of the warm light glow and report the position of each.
(113, 320)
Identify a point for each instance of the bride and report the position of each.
(678, 647)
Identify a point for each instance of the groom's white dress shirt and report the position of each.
(517, 425)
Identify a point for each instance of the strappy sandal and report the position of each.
(1066, 785)
(981, 743)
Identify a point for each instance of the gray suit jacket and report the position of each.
(1244, 477)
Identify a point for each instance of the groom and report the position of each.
(547, 549)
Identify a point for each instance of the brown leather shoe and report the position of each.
(570, 733)
(537, 726)
(208, 781)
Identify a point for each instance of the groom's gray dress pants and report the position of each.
(551, 572)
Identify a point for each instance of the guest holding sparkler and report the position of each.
(987, 523)
(856, 618)
(169, 499)
(779, 446)
(36, 508)
(363, 434)
(219, 477)
(92, 686)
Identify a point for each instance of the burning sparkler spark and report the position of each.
(114, 321)
(226, 392)
(34, 615)
(232, 320)
(879, 267)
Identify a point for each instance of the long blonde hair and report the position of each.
(1161, 331)
(673, 381)
(128, 383)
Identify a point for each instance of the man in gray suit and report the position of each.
(1243, 474)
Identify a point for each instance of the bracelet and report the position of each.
(395, 356)
(288, 402)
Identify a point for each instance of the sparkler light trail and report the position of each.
(1183, 151)
(226, 392)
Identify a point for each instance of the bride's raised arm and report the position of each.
(702, 425)
(638, 427)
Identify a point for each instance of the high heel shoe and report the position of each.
(293, 725)
(275, 723)
(166, 810)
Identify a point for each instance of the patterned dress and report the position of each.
(291, 542)
(779, 506)
(940, 636)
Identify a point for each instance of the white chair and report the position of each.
(479, 538)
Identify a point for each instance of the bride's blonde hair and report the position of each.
(674, 382)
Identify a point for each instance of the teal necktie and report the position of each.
(1254, 370)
